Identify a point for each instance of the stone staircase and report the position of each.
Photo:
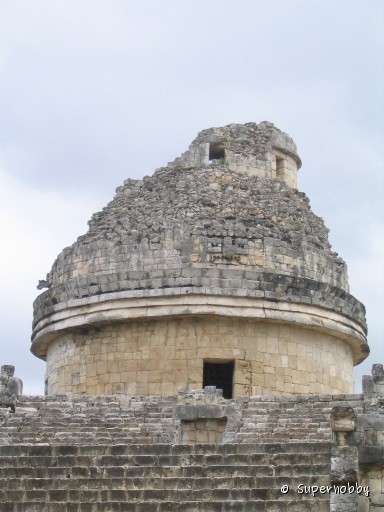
(111, 454)
(266, 419)
(137, 420)
(162, 477)
(88, 420)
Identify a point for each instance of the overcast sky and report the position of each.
(93, 92)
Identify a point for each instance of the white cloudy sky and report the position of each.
(94, 91)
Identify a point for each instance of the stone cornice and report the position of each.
(133, 305)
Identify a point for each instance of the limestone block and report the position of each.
(343, 419)
(210, 411)
(186, 412)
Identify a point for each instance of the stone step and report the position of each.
(135, 436)
(164, 506)
(165, 471)
(162, 477)
(164, 449)
(148, 495)
(85, 439)
(160, 482)
(295, 460)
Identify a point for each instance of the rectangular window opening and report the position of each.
(216, 151)
(280, 168)
(219, 374)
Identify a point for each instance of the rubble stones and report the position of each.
(204, 227)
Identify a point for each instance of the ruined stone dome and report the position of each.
(220, 231)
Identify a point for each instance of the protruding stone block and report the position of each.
(377, 371)
(343, 419)
(368, 385)
(374, 384)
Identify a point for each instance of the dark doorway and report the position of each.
(216, 151)
(219, 375)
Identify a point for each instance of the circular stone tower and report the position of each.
(213, 271)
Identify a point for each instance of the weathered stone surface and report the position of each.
(344, 502)
(370, 441)
(10, 387)
(343, 419)
(371, 454)
(215, 257)
(344, 466)
(141, 420)
(193, 477)
(65, 452)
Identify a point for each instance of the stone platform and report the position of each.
(192, 452)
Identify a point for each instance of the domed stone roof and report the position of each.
(186, 218)
(224, 219)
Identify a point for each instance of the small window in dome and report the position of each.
(216, 151)
(280, 165)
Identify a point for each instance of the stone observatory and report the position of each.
(213, 271)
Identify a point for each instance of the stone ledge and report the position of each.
(243, 283)
(199, 411)
(127, 306)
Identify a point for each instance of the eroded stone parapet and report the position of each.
(10, 387)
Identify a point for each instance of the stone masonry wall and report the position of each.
(75, 420)
(198, 229)
(257, 150)
(161, 355)
(215, 217)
